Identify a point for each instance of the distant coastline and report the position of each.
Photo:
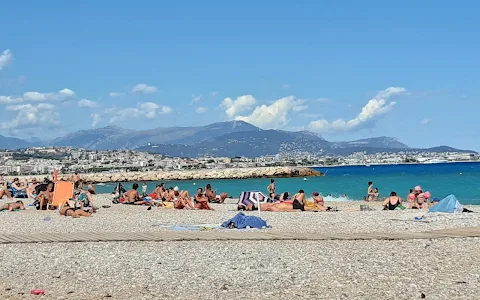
(391, 164)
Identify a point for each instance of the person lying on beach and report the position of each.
(18, 205)
(68, 211)
(131, 196)
(201, 201)
(392, 202)
(273, 207)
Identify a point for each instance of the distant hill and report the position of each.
(376, 142)
(11, 143)
(270, 142)
(112, 137)
(233, 138)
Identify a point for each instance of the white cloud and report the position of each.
(274, 115)
(87, 103)
(31, 116)
(143, 110)
(201, 110)
(38, 97)
(196, 98)
(144, 89)
(299, 108)
(233, 107)
(116, 94)
(66, 93)
(426, 121)
(5, 58)
(375, 107)
(213, 93)
(96, 118)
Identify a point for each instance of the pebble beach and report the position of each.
(446, 268)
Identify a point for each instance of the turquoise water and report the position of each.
(460, 179)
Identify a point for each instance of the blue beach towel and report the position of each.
(448, 204)
(242, 221)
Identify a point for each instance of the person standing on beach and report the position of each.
(271, 187)
(144, 189)
(76, 180)
(370, 193)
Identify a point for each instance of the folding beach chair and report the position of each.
(62, 193)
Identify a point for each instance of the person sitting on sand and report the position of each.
(31, 188)
(201, 201)
(285, 197)
(318, 201)
(73, 212)
(300, 202)
(83, 200)
(17, 187)
(420, 202)
(411, 196)
(212, 195)
(392, 202)
(376, 195)
(44, 195)
(181, 200)
(4, 191)
(18, 205)
(131, 196)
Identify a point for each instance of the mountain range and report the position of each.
(233, 138)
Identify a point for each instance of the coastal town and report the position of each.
(43, 160)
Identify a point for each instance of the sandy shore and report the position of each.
(439, 268)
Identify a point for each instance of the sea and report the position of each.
(344, 183)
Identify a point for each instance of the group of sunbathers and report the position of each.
(417, 199)
(285, 203)
(42, 193)
(171, 197)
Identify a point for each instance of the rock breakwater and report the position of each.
(233, 173)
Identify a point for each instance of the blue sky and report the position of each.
(352, 70)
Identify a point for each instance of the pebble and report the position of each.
(330, 269)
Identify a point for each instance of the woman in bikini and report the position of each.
(68, 211)
(392, 202)
(13, 206)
